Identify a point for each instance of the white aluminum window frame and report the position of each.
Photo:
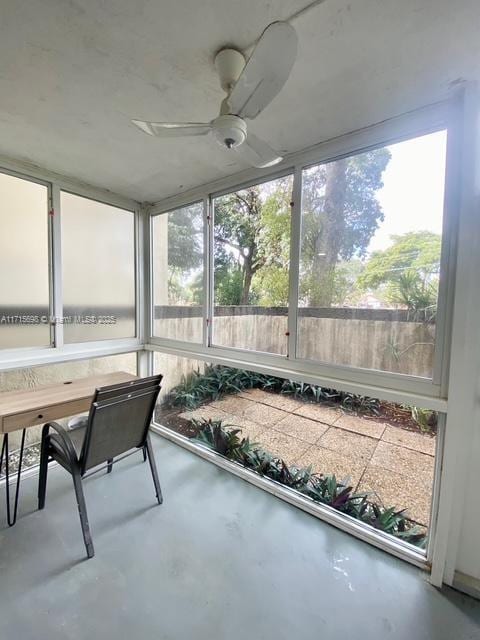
(399, 388)
(427, 393)
(58, 351)
(150, 308)
(449, 114)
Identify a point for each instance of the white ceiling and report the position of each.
(73, 73)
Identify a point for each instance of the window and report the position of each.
(371, 234)
(98, 254)
(24, 271)
(251, 262)
(178, 287)
(378, 451)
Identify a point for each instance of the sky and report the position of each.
(412, 195)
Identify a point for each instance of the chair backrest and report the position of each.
(113, 390)
(118, 421)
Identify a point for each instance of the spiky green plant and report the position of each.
(216, 381)
(325, 489)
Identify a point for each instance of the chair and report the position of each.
(117, 425)
(110, 391)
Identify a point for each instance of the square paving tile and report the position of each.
(319, 412)
(399, 491)
(424, 443)
(402, 460)
(303, 428)
(361, 425)
(349, 444)
(330, 462)
(289, 402)
(207, 412)
(233, 404)
(263, 413)
(283, 446)
(277, 400)
(250, 429)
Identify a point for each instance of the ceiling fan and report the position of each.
(250, 87)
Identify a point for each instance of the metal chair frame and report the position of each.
(60, 447)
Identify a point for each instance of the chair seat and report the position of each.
(77, 436)
(77, 421)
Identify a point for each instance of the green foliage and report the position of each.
(197, 388)
(252, 244)
(415, 293)
(228, 286)
(222, 439)
(185, 252)
(324, 489)
(340, 214)
(425, 418)
(270, 287)
(408, 270)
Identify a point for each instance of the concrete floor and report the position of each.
(220, 559)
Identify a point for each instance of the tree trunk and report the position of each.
(247, 279)
(329, 239)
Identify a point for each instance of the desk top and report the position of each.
(28, 407)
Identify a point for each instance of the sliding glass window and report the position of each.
(178, 274)
(251, 267)
(98, 256)
(24, 264)
(369, 273)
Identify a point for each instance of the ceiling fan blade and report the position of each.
(266, 71)
(173, 129)
(257, 152)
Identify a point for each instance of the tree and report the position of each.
(340, 215)
(407, 272)
(252, 238)
(185, 252)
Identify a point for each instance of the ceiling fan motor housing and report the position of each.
(229, 64)
(229, 131)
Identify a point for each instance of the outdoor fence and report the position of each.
(394, 340)
(381, 339)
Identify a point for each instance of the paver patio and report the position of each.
(394, 464)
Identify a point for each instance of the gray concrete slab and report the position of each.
(220, 559)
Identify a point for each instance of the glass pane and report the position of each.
(379, 454)
(24, 294)
(251, 259)
(370, 257)
(178, 289)
(20, 379)
(98, 254)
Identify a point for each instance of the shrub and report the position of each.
(216, 381)
(325, 489)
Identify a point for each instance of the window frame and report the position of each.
(447, 235)
(59, 277)
(50, 259)
(211, 251)
(205, 274)
(429, 393)
(58, 351)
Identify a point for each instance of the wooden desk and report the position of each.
(30, 407)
